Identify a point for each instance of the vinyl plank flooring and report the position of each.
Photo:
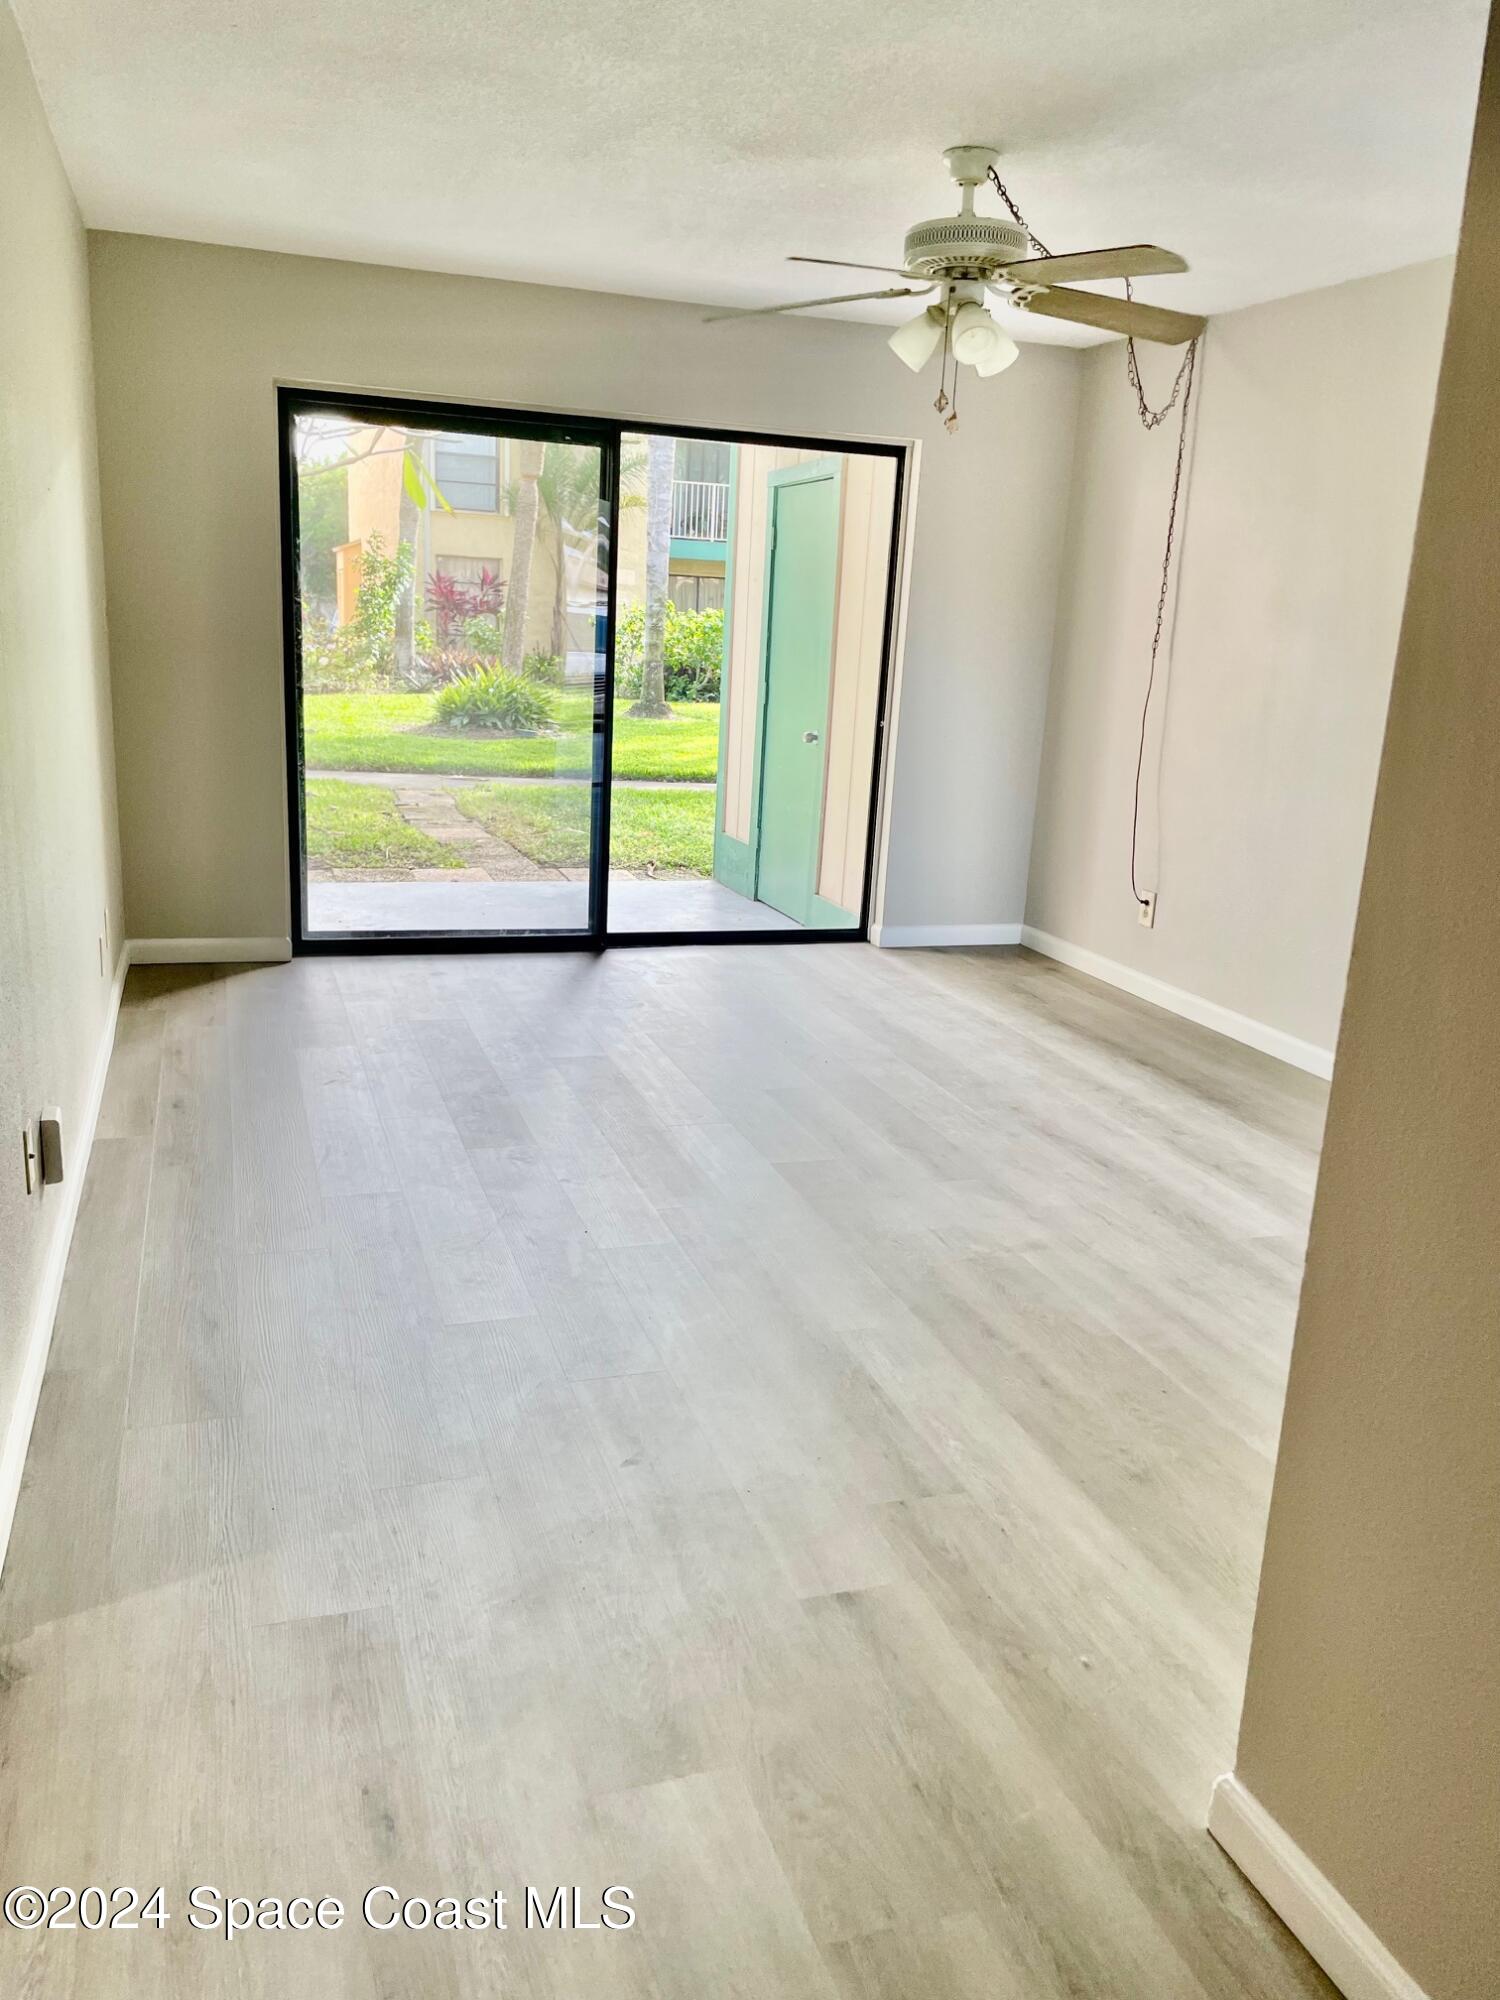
(957, 1957)
(127, 1109)
(384, 1304)
(77, 1436)
(589, 1319)
(350, 1154)
(689, 1837)
(785, 1431)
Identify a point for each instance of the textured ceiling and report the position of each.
(681, 151)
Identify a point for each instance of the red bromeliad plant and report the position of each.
(453, 602)
(488, 594)
(450, 602)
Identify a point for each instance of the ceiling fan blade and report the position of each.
(839, 264)
(1126, 316)
(1130, 260)
(839, 299)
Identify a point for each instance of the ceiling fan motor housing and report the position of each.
(953, 246)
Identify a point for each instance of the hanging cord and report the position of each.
(1185, 383)
(1182, 387)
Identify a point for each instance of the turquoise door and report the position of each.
(801, 582)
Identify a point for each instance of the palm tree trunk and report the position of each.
(560, 597)
(661, 454)
(408, 524)
(518, 592)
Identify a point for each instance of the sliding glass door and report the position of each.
(448, 639)
(576, 683)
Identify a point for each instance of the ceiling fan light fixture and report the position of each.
(1001, 355)
(976, 338)
(915, 341)
(966, 256)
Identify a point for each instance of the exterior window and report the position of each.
(467, 471)
(696, 593)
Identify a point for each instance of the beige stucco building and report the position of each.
(479, 478)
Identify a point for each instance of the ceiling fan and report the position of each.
(965, 256)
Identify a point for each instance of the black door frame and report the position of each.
(607, 434)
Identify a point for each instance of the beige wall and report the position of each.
(59, 864)
(190, 342)
(1372, 1716)
(1312, 421)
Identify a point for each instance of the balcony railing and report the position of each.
(700, 510)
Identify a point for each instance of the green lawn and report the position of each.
(550, 824)
(358, 826)
(382, 732)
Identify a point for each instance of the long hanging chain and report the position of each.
(1149, 417)
(1185, 383)
(1016, 216)
(1182, 387)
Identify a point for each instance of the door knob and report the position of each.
(809, 736)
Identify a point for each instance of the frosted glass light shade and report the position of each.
(1001, 354)
(916, 341)
(974, 334)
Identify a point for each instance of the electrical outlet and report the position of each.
(28, 1156)
(1147, 911)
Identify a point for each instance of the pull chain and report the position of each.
(1182, 387)
(941, 400)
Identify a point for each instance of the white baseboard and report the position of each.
(1177, 1000)
(930, 935)
(1305, 1900)
(80, 1143)
(209, 951)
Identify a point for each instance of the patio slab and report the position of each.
(443, 907)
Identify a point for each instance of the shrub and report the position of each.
(330, 664)
(693, 649)
(546, 669)
(479, 652)
(362, 653)
(491, 698)
(442, 666)
(483, 637)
